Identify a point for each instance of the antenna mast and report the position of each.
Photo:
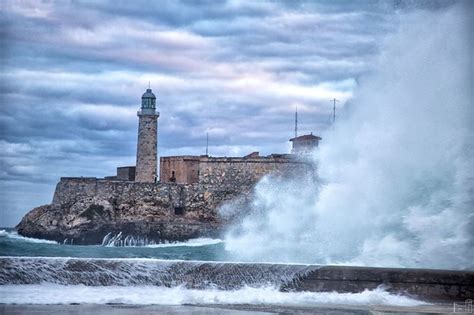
(296, 122)
(207, 143)
(334, 110)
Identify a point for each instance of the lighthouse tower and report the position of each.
(147, 139)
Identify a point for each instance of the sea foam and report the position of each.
(14, 235)
(147, 295)
(395, 172)
(121, 240)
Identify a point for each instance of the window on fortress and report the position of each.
(173, 177)
(179, 210)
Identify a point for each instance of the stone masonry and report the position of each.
(225, 171)
(147, 148)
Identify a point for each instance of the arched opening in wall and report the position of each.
(179, 210)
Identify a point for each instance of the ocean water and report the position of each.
(394, 189)
(12, 244)
(153, 275)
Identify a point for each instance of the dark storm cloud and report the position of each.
(73, 72)
(182, 13)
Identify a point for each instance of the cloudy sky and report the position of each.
(72, 74)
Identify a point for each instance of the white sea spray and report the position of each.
(395, 174)
(16, 236)
(146, 295)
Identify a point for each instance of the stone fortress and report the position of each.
(199, 169)
(179, 204)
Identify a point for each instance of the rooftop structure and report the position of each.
(304, 144)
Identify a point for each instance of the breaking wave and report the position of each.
(196, 242)
(14, 235)
(147, 295)
(148, 272)
(396, 173)
(120, 240)
(36, 280)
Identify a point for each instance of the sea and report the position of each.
(153, 274)
(394, 188)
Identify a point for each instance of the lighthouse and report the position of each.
(147, 149)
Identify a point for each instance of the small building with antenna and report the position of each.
(304, 144)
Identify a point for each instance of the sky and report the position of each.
(73, 72)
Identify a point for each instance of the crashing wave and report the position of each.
(119, 240)
(231, 276)
(149, 272)
(148, 295)
(16, 236)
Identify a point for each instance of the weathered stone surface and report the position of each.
(429, 284)
(147, 148)
(84, 210)
(228, 171)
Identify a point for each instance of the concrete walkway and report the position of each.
(91, 309)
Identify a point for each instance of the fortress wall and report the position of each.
(85, 209)
(69, 188)
(185, 169)
(227, 171)
(235, 172)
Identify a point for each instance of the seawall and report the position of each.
(425, 284)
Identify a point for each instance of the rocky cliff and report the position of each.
(84, 210)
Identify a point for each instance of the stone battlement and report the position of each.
(227, 171)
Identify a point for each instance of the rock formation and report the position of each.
(84, 210)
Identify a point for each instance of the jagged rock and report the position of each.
(84, 210)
